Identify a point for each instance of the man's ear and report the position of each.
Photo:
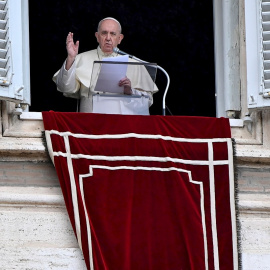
(96, 34)
(120, 38)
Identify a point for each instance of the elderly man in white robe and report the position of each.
(74, 77)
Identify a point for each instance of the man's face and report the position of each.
(108, 36)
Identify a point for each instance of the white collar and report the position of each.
(102, 54)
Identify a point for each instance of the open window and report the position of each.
(14, 53)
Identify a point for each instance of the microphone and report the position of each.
(116, 50)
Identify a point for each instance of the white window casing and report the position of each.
(14, 51)
(227, 57)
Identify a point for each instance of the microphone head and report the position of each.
(116, 50)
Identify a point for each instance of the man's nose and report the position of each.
(108, 36)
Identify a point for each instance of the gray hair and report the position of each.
(109, 18)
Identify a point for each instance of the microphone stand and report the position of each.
(160, 68)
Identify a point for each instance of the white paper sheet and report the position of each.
(111, 74)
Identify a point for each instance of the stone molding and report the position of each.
(254, 203)
(31, 197)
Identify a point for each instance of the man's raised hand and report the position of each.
(72, 50)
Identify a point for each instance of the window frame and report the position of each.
(227, 58)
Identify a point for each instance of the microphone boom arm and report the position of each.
(160, 68)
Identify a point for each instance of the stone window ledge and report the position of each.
(22, 139)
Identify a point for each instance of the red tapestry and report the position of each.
(147, 192)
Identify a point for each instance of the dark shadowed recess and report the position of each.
(177, 35)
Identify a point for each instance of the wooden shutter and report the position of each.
(5, 63)
(265, 11)
(257, 23)
(14, 51)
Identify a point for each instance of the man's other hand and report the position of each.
(127, 85)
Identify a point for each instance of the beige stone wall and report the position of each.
(253, 178)
(25, 174)
(35, 231)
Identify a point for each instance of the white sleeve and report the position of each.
(66, 79)
(143, 93)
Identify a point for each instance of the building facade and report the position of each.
(34, 225)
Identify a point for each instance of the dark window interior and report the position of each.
(177, 35)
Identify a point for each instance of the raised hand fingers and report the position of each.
(69, 38)
(72, 48)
